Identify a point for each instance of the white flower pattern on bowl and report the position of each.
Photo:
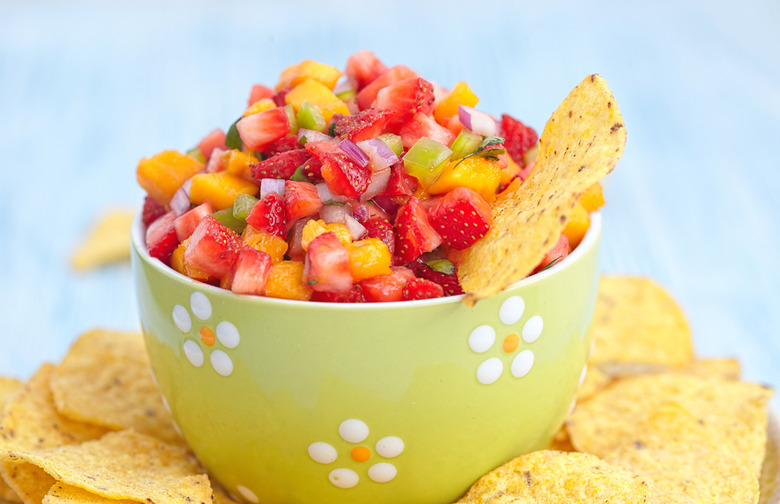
(482, 338)
(355, 432)
(225, 333)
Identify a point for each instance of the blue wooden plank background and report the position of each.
(87, 88)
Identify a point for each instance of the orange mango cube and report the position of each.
(272, 245)
(285, 281)
(238, 163)
(577, 226)
(316, 94)
(220, 188)
(179, 264)
(314, 228)
(481, 175)
(296, 74)
(593, 197)
(369, 258)
(163, 174)
(260, 106)
(461, 94)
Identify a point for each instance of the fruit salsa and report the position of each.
(361, 186)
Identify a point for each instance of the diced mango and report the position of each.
(510, 172)
(477, 173)
(369, 258)
(316, 94)
(238, 163)
(577, 226)
(309, 69)
(461, 94)
(593, 197)
(272, 245)
(179, 264)
(260, 106)
(285, 281)
(163, 174)
(314, 228)
(220, 188)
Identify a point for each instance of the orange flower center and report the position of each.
(511, 342)
(360, 453)
(207, 336)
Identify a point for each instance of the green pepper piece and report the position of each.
(310, 117)
(243, 205)
(226, 218)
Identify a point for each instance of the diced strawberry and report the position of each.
(280, 166)
(312, 169)
(406, 97)
(362, 68)
(152, 210)
(295, 242)
(279, 97)
(400, 184)
(560, 250)
(161, 238)
(343, 176)
(386, 288)
(367, 94)
(214, 140)
(421, 125)
(268, 215)
(320, 148)
(377, 227)
(186, 223)
(518, 138)
(461, 217)
(364, 125)
(213, 248)
(284, 144)
(259, 92)
(259, 130)
(217, 162)
(327, 264)
(300, 200)
(354, 295)
(448, 282)
(419, 288)
(413, 233)
(249, 273)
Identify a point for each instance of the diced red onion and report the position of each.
(354, 153)
(326, 196)
(312, 135)
(216, 162)
(356, 229)
(477, 121)
(379, 181)
(180, 203)
(334, 213)
(380, 154)
(269, 185)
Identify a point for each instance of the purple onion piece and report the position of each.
(380, 154)
(356, 229)
(353, 152)
(334, 213)
(312, 135)
(180, 203)
(326, 196)
(379, 181)
(269, 185)
(477, 121)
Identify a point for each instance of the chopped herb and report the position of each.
(298, 176)
(312, 282)
(332, 129)
(233, 139)
(551, 263)
(488, 141)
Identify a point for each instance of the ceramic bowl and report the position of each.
(302, 402)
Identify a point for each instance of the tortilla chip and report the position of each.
(32, 422)
(66, 494)
(769, 481)
(7, 387)
(552, 476)
(561, 441)
(687, 459)
(125, 465)
(106, 379)
(581, 142)
(595, 380)
(608, 419)
(107, 242)
(636, 320)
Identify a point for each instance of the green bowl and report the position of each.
(408, 402)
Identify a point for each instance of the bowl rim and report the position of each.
(138, 243)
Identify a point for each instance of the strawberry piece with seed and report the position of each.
(343, 176)
(300, 200)
(419, 288)
(461, 217)
(377, 227)
(213, 248)
(327, 265)
(284, 144)
(364, 125)
(368, 93)
(280, 166)
(362, 68)
(249, 273)
(161, 238)
(518, 138)
(268, 215)
(413, 232)
(406, 97)
(151, 211)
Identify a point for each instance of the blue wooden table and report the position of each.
(88, 88)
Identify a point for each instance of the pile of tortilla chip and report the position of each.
(94, 429)
(653, 423)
